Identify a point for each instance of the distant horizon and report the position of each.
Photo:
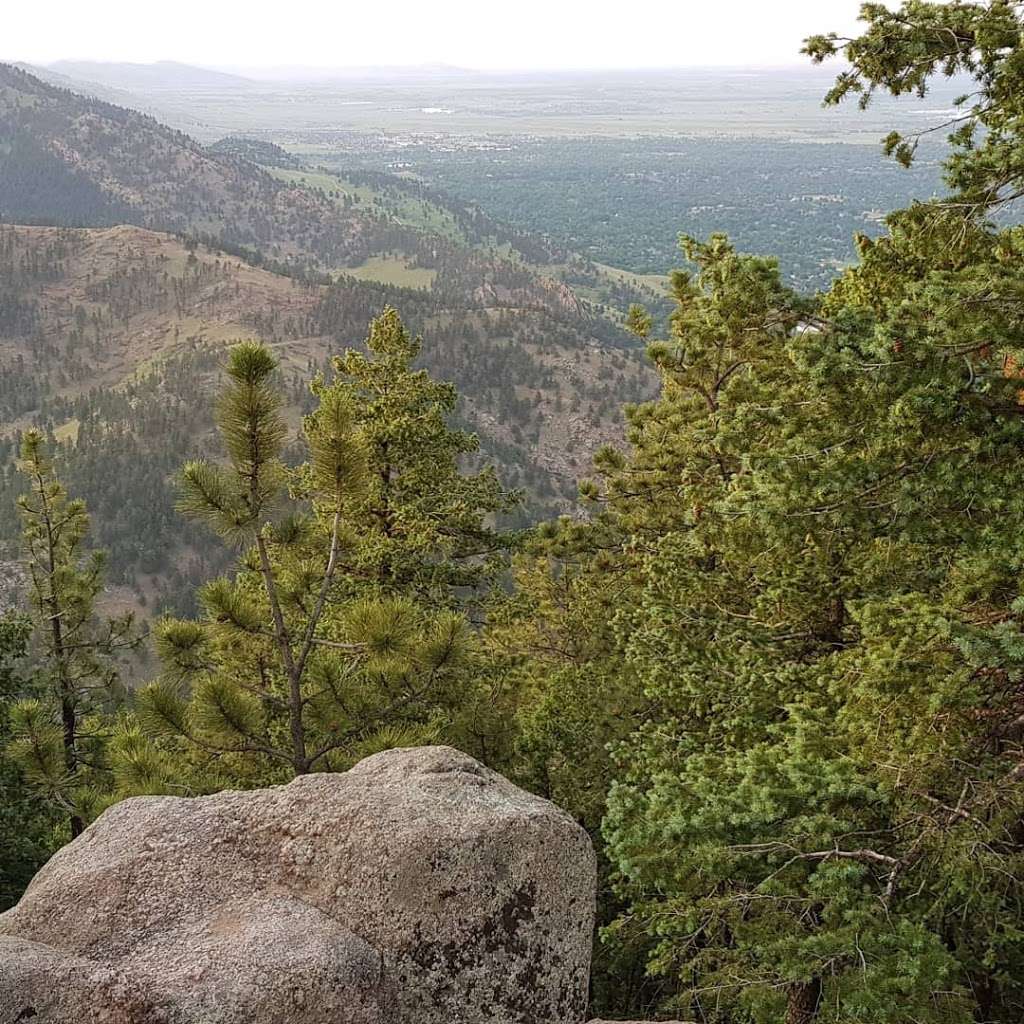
(280, 72)
(536, 36)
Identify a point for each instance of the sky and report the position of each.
(476, 34)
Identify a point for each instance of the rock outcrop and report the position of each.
(419, 886)
(13, 578)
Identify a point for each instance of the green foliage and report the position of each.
(237, 500)
(59, 732)
(623, 204)
(811, 559)
(26, 827)
(344, 628)
(779, 668)
(902, 51)
(423, 523)
(801, 595)
(561, 686)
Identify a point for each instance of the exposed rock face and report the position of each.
(13, 578)
(419, 886)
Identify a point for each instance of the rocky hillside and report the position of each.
(75, 160)
(157, 252)
(112, 338)
(82, 309)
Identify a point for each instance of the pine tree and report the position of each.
(26, 827)
(343, 630)
(566, 694)
(819, 820)
(58, 738)
(806, 569)
(427, 526)
(815, 540)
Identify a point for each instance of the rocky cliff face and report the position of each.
(419, 887)
(13, 579)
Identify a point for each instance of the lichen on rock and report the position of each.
(418, 886)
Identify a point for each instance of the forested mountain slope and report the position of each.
(113, 340)
(74, 160)
(159, 251)
(69, 159)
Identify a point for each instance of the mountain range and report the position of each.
(133, 255)
(161, 75)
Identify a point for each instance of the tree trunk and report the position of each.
(984, 996)
(804, 998)
(65, 690)
(300, 761)
(384, 513)
(69, 722)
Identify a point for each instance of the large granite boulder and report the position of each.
(419, 886)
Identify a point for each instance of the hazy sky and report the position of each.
(467, 33)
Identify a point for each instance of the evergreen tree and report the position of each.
(566, 693)
(807, 566)
(26, 827)
(816, 815)
(58, 737)
(788, 822)
(578, 601)
(426, 526)
(343, 630)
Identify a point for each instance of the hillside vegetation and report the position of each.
(771, 655)
(122, 318)
(112, 340)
